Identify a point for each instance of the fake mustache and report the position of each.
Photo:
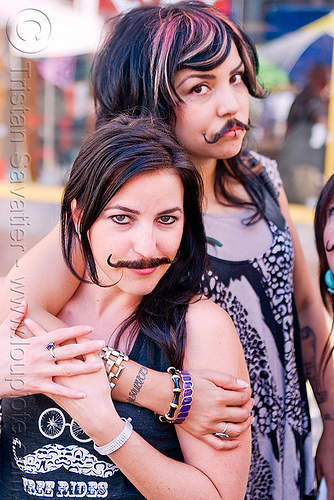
(142, 263)
(329, 248)
(227, 127)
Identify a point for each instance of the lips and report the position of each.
(144, 272)
(235, 132)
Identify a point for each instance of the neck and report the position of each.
(103, 308)
(109, 299)
(207, 169)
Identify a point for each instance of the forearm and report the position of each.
(144, 387)
(314, 335)
(41, 278)
(158, 477)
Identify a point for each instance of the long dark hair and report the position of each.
(111, 156)
(144, 48)
(326, 197)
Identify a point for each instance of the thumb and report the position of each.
(225, 380)
(16, 317)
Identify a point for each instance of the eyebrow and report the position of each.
(136, 212)
(207, 76)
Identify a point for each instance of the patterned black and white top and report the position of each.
(258, 294)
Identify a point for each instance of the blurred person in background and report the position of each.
(302, 157)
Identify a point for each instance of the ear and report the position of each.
(75, 215)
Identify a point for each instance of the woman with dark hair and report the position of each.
(324, 237)
(192, 67)
(132, 207)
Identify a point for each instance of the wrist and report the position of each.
(157, 395)
(106, 429)
(116, 442)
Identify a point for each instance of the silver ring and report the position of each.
(50, 348)
(223, 434)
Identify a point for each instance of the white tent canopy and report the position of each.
(41, 29)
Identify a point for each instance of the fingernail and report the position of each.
(28, 321)
(252, 419)
(87, 328)
(100, 343)
(242, 383)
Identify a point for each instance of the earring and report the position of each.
(329, 280)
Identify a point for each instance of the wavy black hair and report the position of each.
(144, 48)
(112, 155)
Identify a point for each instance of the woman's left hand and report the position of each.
(41, 356)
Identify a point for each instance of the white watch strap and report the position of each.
(116, 443)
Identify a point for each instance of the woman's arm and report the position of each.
(314, 334)
(219, 397)
(42, 278)
(206, 473)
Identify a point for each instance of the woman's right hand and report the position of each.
(27, 367)
(219, 399)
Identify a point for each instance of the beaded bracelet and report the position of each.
(187, 397)
(116, 443)
(111, 364)
(169, 416)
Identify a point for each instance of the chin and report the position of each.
(229, 152)
(139, 289)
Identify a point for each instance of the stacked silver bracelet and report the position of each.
(113, 360)
(116, 443)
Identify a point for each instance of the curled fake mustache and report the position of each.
(328, 247)
(142, 263)
(227, 127)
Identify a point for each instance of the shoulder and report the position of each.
(212, 340)
(271, 168)
(206, 311)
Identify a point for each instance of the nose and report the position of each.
(227, 102)
(144, 242)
